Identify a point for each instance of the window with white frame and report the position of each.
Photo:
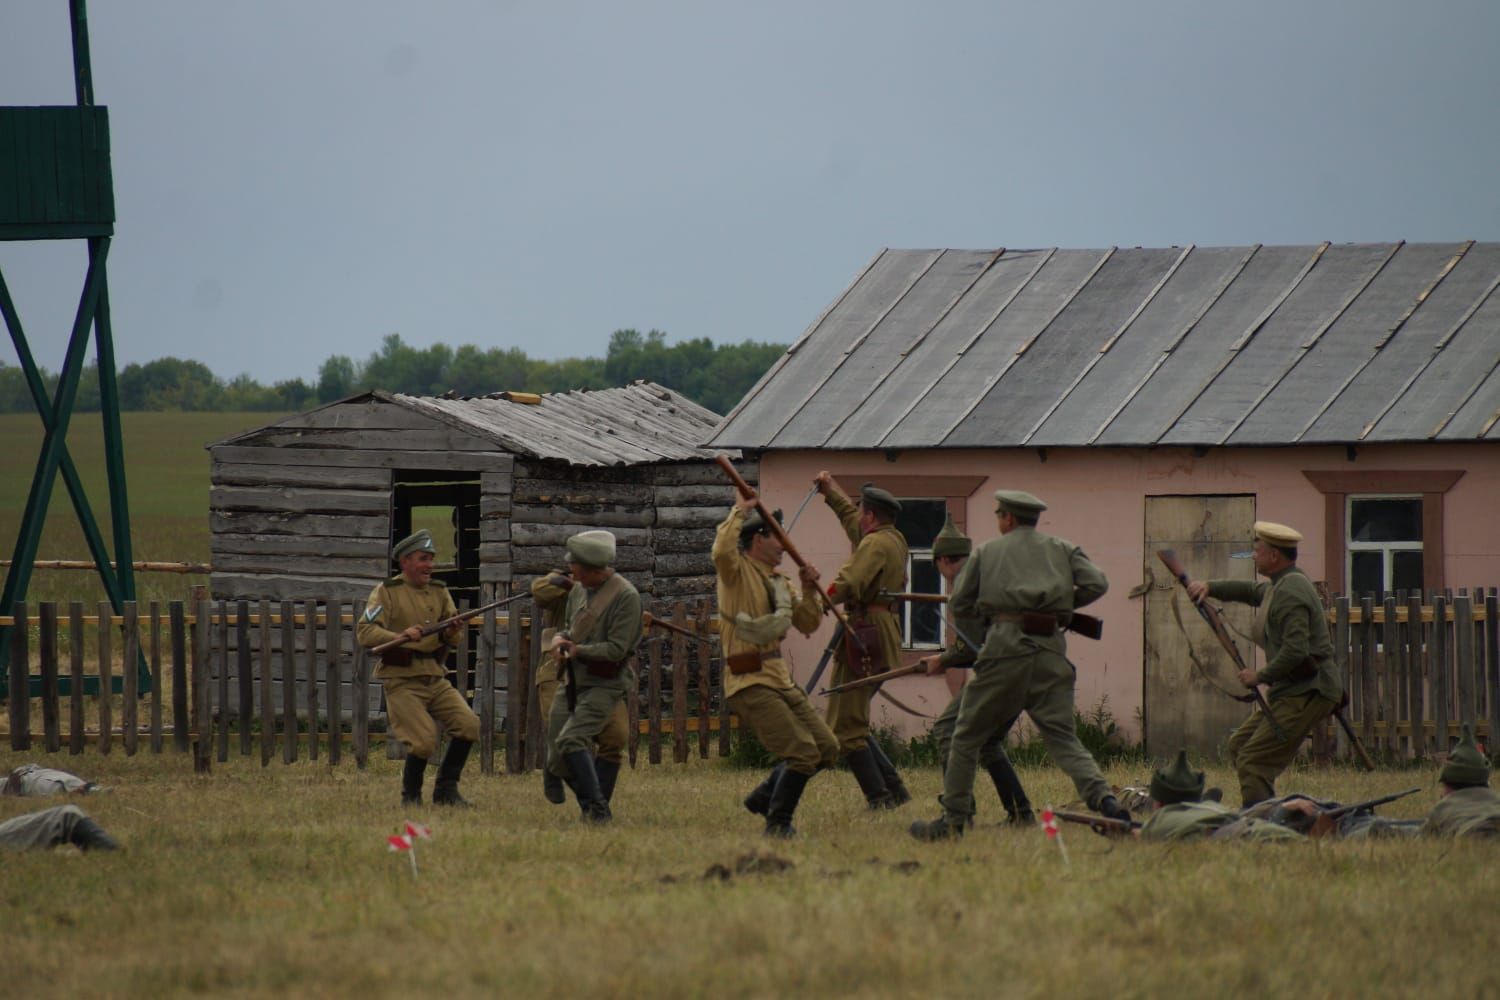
(920, 520)
(1384, 544)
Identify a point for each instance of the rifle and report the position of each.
(748, 492)
(1211, 615)
(437, 627)
(1085, 625)
(1102, 825)
(1328, 822)
(648, 620)
(881, 678)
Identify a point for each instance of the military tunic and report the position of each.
(878, 566)
(1292, 628)
(767, 700)
(611, 639)
(416, 692)
(552, 599)
(1186, 820)
(1465, 812)
(1022, 570)
(47, 828)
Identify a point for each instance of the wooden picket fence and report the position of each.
(256, 678)
(1416, 672)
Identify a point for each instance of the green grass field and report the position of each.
(167, 473)
(273, 881)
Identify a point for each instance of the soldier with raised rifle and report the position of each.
(950, 550)
(757, 605)
(872, 644)
(1025, 585)
(550, 594)
(602, 628)
(415, 673)
(1300, 672)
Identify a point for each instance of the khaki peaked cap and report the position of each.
(1277, 534)
(1018, 502)
(417, 541)
(595, 549)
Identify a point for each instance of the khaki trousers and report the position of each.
(993, 750)
(786, 725)
(1041, 685)
(413, 703)
(1256, 752)
(848, 714)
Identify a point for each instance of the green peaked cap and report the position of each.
(1466, 765)
(950, 541)
(417, 541)
(1177, 783)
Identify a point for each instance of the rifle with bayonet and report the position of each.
(648, 620)
(873, 679)
(1102, 825)
(446, 623)
(1085, 625)
(1327, 822)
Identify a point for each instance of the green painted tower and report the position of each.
(56, 184)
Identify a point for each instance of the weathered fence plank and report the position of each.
(130, 656)
(244, 676)
(1368, 696)
(311, 682)
(705, 680)
(202, 652)
(156, 678)
(1416, 668)
(334, 682)
(361, 698)
(1463, 648)
(517, 679)
(1438, 663)
(485, 701)
(288, 684)
(679, 689)
(653, 708)
(47, 650)
(1391, 677)
(267, 718)
(221, 627)
(106, 678)
(177, 626)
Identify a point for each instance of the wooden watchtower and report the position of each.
(56, 184)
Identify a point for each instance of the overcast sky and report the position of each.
(296, 179)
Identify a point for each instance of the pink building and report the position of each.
(1154, 398)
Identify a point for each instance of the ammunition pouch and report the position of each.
(604, 669)
(750, 662)
(862, 646)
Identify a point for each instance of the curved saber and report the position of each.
(805, 501)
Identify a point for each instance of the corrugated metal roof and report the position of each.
(636, 424)
(1249, 345)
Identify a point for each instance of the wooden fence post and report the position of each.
(653, 708)
(288, 682)
(1463, 634)
(334, 684)
(77, 726)
(221, 629)
(243, 675)
(1390, 676)
(267, 667)
(181, 725)
(106, 676)
(156, 678)
(361, 707)
(679, 688)
(130, 657)
(705, 680)
(1439, 672)
(311, 689)
(484, 694)
(1369, 703)
(202, 650)
(1415, 670)
(51, 725)
(517, 653)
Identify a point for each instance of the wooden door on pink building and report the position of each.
(1187, 671)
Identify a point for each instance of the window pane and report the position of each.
(1406, 570)
(926, 619)
(920, 521)
(1382, 520)
(1366, 573)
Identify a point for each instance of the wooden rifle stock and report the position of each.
(881, 678)
(437, 627)
(1102, 825)
(648, 620)
(748, 492)
(1087, 626)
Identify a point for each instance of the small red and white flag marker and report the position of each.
(1054, 833)
(406, 843)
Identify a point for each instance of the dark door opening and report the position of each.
(447, 505)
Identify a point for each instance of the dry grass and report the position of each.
(259, 881)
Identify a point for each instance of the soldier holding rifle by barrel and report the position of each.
(413, 669)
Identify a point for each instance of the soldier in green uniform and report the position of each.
(1469, 807)
(1025, 585)
(1182, 811)
(757, 605)
(950, 550)
(415, 674)
(877, 566)
(1304, 685)
(55, 826)
(550, 593)
(602, 630)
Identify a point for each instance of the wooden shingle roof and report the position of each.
(1202, 346)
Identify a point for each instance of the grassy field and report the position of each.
(167, 475)
(260, 881)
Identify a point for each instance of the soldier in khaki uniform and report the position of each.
(1300, 670)
(950, 550)
(1026, 585)
(550, 593)
(877, 566)
(415, 674)
(1469, 806)
(601, 632)
(757, 605)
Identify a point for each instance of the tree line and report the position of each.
(713, 375)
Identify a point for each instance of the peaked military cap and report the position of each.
(1177, 783)
(417, 541)
(873, 496)
(950, 541)
(595, 549)
(1277, 534)
(1018, 502)
(1466, 765)
(754, 524)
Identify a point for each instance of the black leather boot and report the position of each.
(945, 827)
(784, 799)
(1012, 795)
(552, 787)
(412, 774)
(759, 801)
(867, 773)
(584, 781)
(445, 789)
(888, 773)
(609, 773)
(90, 836)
